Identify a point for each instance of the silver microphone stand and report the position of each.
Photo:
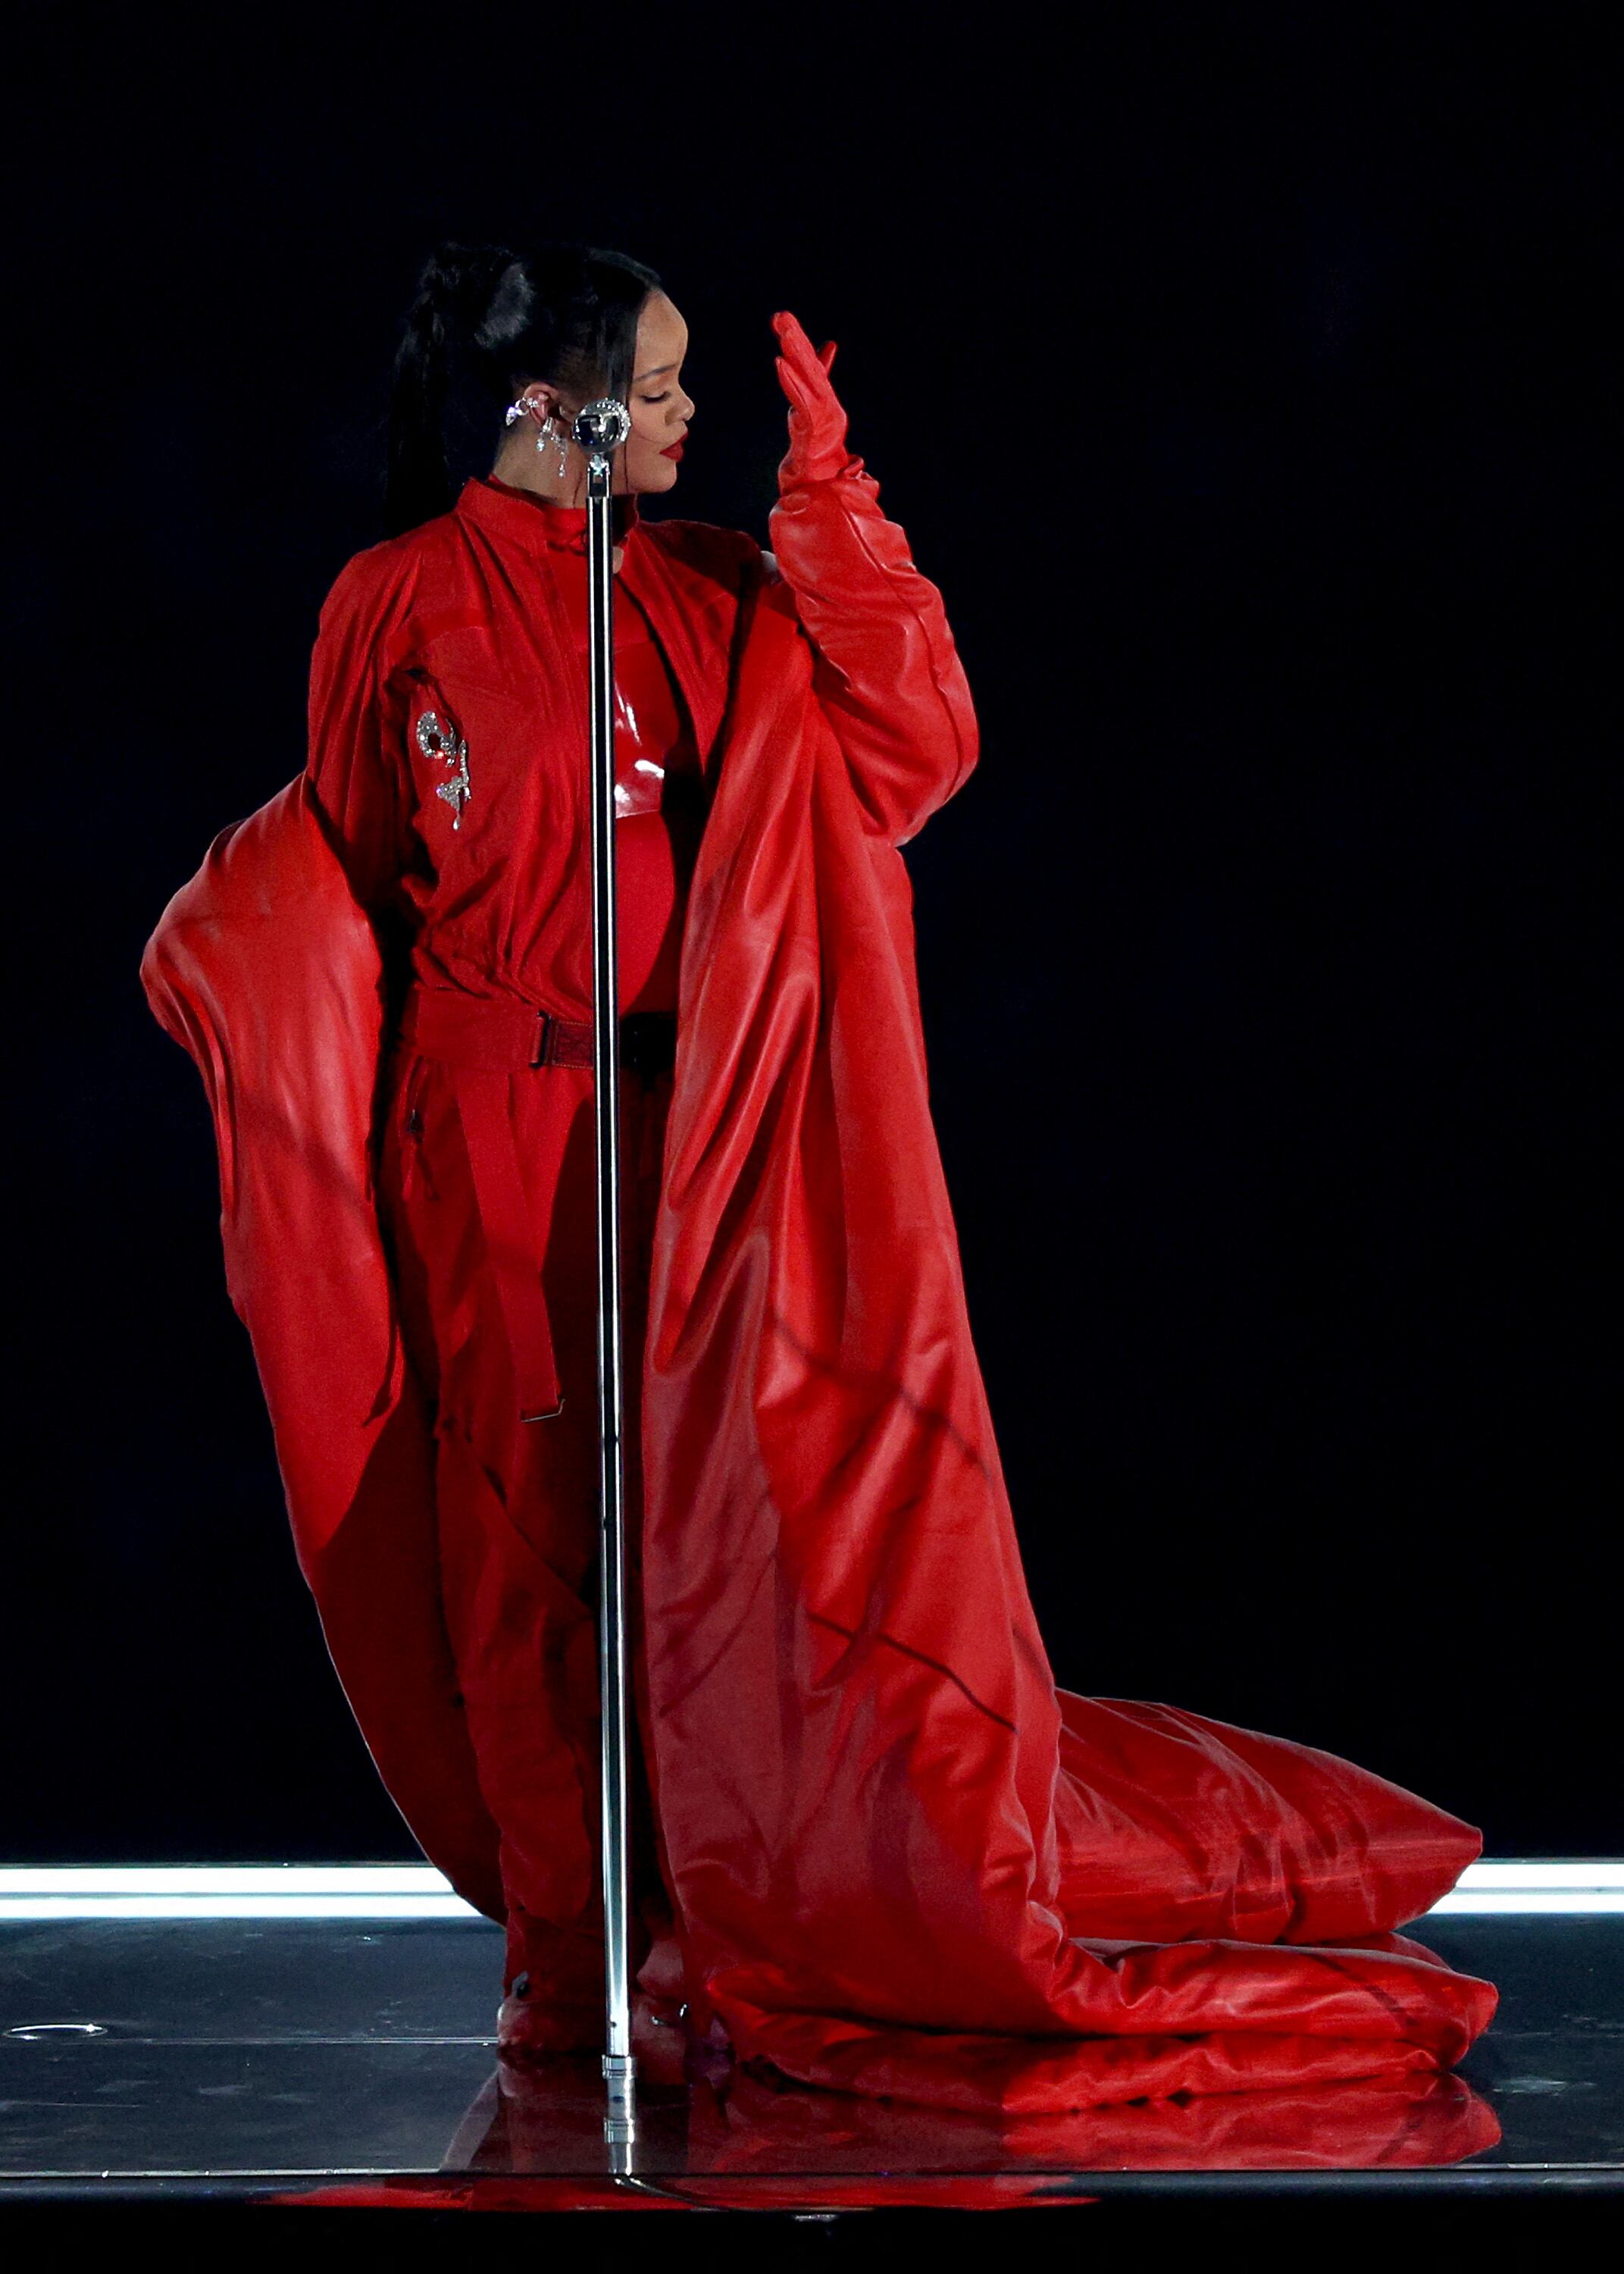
(600, 429)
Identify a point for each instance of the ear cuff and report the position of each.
(549, 431)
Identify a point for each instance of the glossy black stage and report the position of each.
(350, 2064)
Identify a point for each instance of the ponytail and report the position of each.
(567, 315)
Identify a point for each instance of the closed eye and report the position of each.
(658, 398)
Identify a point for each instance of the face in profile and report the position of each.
(660, 410)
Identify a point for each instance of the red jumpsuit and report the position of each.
(901, 1861)
(484, 890)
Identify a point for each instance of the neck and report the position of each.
(524, 467)
(622, 512)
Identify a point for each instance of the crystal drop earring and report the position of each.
(554, 434)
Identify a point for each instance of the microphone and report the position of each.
(601, 428)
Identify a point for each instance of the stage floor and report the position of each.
(352, 2062)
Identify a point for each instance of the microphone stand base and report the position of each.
(621, 2114)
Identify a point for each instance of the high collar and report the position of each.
(521, 518)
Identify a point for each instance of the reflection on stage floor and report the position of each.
(352, 2061)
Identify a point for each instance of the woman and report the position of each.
(877, 1848)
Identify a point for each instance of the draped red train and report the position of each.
(889, 1857)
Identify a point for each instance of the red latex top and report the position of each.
(659, 791)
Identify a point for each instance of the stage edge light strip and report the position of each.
(405, 1891)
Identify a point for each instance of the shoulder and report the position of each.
(383, 580)
(725, 556)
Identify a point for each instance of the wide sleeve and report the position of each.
(888, 676)
(357, 766)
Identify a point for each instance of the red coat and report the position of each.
(896, 1854)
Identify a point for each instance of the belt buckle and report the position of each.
(541, 1054)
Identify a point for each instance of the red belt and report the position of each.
(484, 1041)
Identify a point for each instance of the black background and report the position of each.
(1236, 373)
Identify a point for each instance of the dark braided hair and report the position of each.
(567, 313)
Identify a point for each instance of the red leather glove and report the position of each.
(817, 450)
(886, 672)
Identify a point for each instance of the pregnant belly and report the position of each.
(650, 885)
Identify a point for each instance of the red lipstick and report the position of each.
(675, 451)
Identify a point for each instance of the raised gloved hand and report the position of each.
(818, 449)
(885, 670)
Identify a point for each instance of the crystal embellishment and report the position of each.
(436, 740)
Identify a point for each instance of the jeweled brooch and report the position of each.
(436, 740)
